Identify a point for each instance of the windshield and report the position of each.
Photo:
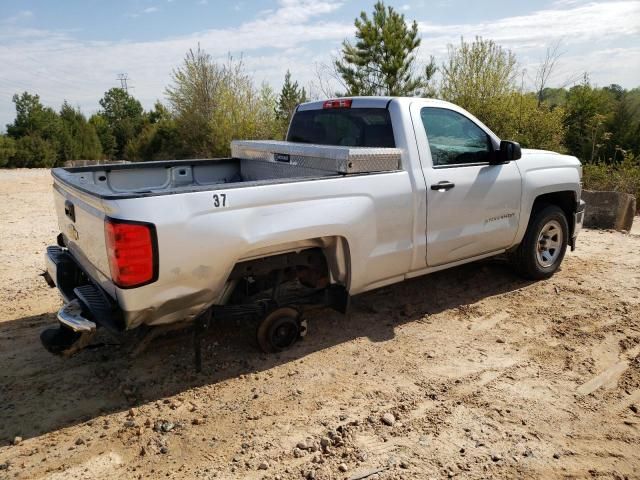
(351, 127)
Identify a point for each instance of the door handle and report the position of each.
(443, 186)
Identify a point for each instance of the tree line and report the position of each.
(209, 103)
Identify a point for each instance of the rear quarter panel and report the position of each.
(199, 243)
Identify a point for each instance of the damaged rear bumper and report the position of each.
(87, 306)
(71, 317)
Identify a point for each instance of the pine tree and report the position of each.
(290, 96)
(78, 139)
(383, 59)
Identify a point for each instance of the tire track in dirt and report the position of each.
(483, 373)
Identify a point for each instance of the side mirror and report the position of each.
(508, 151)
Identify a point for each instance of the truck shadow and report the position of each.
(41, 393)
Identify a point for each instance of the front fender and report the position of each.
(542, 181)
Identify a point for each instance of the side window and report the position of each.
(453, 138)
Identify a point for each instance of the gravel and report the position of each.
(388, 419)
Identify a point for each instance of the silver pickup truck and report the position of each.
(365, 192)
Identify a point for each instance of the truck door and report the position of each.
(472, 207)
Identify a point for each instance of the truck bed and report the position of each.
(133, 180)
(253, 162)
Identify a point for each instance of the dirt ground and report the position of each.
(484, 375)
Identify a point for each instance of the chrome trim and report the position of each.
(71, 316)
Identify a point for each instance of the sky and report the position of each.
(74, 50)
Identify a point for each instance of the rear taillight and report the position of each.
(132, 252)
(338, 103)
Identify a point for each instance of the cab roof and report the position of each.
(373, 102)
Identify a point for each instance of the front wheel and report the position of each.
(544, 244)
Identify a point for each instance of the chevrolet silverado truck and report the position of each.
(365, 192)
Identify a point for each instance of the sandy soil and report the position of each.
(484, 374)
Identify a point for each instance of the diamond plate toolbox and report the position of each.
(330, 158)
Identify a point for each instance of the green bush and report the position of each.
(33, 151)
(619, 177)
(530, 124)
(7, 150)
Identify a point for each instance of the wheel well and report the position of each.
(307, 272)
(566, 200)
(310, 258)
(330, 251)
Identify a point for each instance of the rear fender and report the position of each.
(334, 248)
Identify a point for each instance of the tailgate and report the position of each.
(81, 221)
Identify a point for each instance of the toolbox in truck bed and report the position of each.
(330, 158)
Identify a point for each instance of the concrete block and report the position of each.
(609, 210)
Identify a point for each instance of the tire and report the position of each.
(280, 330)
(544, 244)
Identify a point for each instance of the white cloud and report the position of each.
(568, 3)
(586, 32)
(599, 37)
(583, 23)
(21, 15)
(58, 66)
(144, 11)
(614, 65)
